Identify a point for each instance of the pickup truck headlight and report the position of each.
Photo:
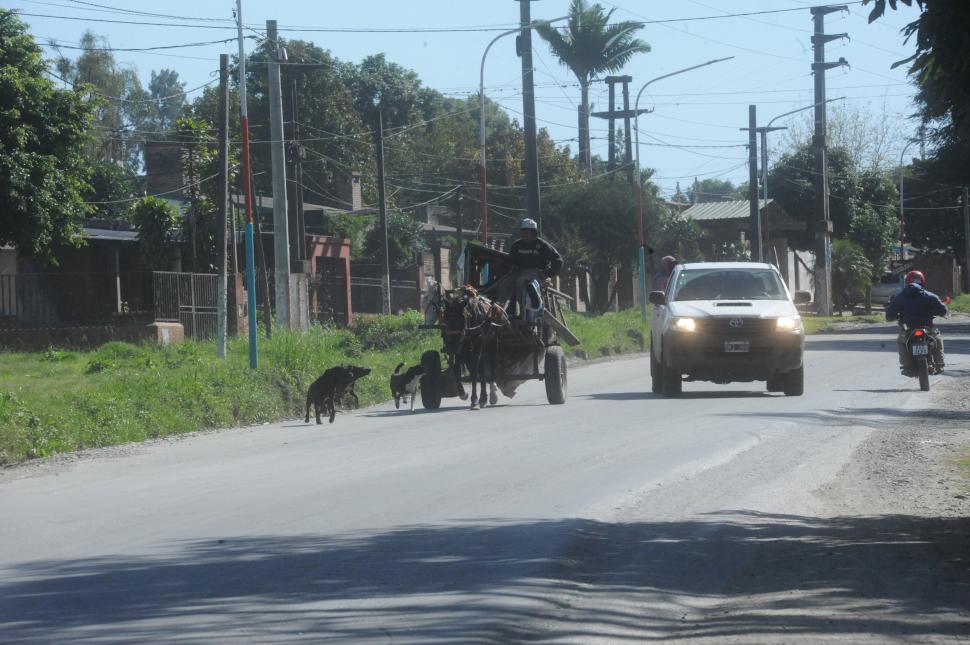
(789, 323)
(685, 324)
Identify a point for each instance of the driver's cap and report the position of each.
(528, 225)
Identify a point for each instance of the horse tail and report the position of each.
(398, 368)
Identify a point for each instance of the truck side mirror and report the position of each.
(658, 298)
(803, 297)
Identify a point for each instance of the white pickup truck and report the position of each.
(726, 322)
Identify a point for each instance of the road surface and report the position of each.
(619, 516)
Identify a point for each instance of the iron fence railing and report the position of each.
(189, 299)
(37, 300)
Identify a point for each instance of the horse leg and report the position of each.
(475, 368)
(456, 370)
(493, 363)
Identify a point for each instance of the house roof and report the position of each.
(738, 209)
(105, 234)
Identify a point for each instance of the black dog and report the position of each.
(335, 383)
(405, 385)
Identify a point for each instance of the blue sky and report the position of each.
(705, 107)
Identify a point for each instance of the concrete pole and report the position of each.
(966, 236)
(248, 198)
(223, 199)
(529, 114)
(281, 231)
(756, 253)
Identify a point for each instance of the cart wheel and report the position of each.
(430, 382)
(555, 376)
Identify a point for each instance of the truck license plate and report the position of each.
(737, 346)
(921, 349)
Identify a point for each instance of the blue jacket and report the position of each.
(914, 306)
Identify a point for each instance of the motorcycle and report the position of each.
(921, 348)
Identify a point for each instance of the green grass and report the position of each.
(960, 304)
(608, 334)
(60, 401)
(817, 324)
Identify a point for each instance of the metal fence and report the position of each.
(40, 300)
(187, 298)
(366, 294)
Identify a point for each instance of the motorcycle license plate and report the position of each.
(921, 349)
(737, 347)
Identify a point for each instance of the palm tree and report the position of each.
(589, 46)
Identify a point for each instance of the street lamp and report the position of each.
(636, 130)
(902, 221)
(764, 147)
(482, 173)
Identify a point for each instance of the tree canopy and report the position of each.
(43, 132)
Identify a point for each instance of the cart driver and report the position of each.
(532, 259)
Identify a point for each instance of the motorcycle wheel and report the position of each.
(923, 372)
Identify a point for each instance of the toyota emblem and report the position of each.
(736, 323)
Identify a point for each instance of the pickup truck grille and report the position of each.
(729, 326)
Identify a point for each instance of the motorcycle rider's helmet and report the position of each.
(528, 225)
(916, 276)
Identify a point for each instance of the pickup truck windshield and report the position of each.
(729, 284)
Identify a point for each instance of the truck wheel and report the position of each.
(923, 372)
(672, 382)
(430, 382)
(656, 377)
(555, 375)
(776, 384)
(795, 382)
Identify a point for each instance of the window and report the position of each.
(729, 284)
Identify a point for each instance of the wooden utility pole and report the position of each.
(223, 199)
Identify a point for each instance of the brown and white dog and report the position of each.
(405, 385)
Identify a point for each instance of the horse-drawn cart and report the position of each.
(520, 348)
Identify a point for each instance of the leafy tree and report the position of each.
(167, 95)
(159, 228)
(589, 46)
(851, 271)
(941, 70)
(713, 190)
(117, 96)
(875, 234)
(42, 138)
(404, 239)
(678, 236)
(111, 190)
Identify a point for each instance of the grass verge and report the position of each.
(818, 324)
(61, 401)
(961, 304)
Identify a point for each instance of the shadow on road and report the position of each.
(864, 417)
(734, 574)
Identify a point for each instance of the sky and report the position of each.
(693, 130)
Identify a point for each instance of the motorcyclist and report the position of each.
(532, 259)
(661, 277)
(914, 306)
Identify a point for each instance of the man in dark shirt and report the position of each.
(914, 306)
(532, 259)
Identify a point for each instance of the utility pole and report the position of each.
(281, 234)
(460, 213)
(382, 202)
(627, 140)
(966, 236)
(248, 189)
(757, 255)
(524, 47)
(223, 199)
(627, 115)
(823, 221)
(611, 81)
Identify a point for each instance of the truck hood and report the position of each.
(733, 308)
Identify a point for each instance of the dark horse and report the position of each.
(470, 334)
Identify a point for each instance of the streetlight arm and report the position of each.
(802, 109)
(679, 71)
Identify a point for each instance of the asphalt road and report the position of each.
(619, 516)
